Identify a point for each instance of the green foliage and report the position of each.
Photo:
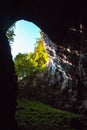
(32, 63)
(22, 65)
(40, 56)
(10, 34)
(33, 115)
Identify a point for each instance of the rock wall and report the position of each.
(68, 67)
(64, 84)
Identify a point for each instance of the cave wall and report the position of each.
(8, 86)
(64, 83)
(54, 18)
(67, 68)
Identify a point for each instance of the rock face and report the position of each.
(64, 84)
(83, 68)
(68, 68)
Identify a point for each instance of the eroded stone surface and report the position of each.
(64, 84)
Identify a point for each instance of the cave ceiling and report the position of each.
(53, 17)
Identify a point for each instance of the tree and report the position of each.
(10, 33)
(32, 63)
(23, 66)
(40, 55)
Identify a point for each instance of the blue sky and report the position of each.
(26, 35)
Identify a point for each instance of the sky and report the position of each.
(25, 39)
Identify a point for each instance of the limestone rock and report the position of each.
(63, 85)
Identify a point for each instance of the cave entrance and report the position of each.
(22, 36)
(31, 62)
(27, 49)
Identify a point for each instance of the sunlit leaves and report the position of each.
(40, 55)
(32, 63)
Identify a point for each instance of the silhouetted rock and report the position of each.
(77, 124)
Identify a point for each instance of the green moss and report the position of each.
(33, 115)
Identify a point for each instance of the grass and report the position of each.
(32, 115)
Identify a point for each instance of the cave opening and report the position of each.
(22, 36)
(54, 83)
